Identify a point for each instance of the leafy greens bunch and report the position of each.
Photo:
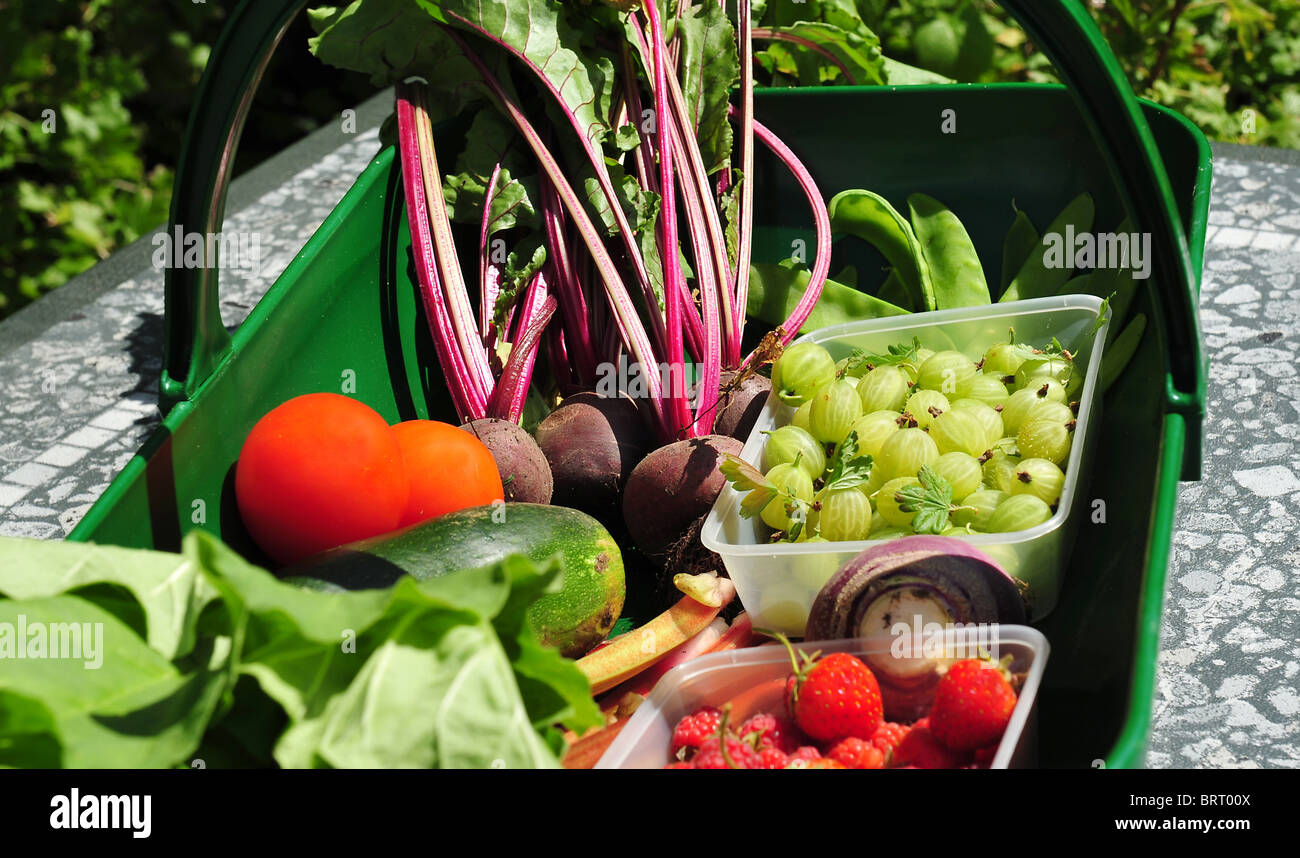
(119, 658)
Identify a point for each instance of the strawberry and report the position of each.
(920, 749)
(770, 731)
(972, 704)
(836, 697)
(984, 757)
(832, 698)
(692, 730)
(857, 754)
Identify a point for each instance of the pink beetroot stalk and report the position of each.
(822, 224)
(674, 283)
(489, 274)
(590, 146)
(512, 392)
(463, 350)
(573, 304)
(444, 246)
(468, 399)
(629, 323)
(746, 207)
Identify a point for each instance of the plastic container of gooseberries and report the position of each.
(777, 581)
(905, 666)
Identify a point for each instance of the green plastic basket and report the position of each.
(348, 305)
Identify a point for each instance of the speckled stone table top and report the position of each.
(79, 372)
(1229, 668)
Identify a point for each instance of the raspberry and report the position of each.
(774, 732)
(680, 765)
(772, 758)
(807, 753)
(695, 728)
(738, 756)
(889, 736)
(857, 754)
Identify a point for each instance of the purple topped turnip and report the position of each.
(934, 578)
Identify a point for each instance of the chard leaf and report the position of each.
(625, 138)
(729, 202)
(29, 735)
(411, 675)
(521, 264)
(391, 40)
(540, 33)
(489, 141)
(553, 690)
(512, 205)
(640, 206)
(440, 673)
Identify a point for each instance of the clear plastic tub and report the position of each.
(757, 673)
(777, 582)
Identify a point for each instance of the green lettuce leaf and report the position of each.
(168, 587)
(114, 701)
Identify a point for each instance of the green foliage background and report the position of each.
(119, 77)
(1221, 63)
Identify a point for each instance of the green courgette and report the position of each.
(573, 620)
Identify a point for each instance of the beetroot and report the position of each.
(672, 487)
(525, 474)
(592, 443)
(738, 409)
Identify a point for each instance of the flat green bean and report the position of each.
(870, 217)
(1085, 284)
(1121, 351)
(1125, 287)
(954, 264)
(893, 291)
(1021, 240)
(1035, 279)
(775, 290)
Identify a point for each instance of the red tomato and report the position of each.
(449, 469)
(319, 471)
